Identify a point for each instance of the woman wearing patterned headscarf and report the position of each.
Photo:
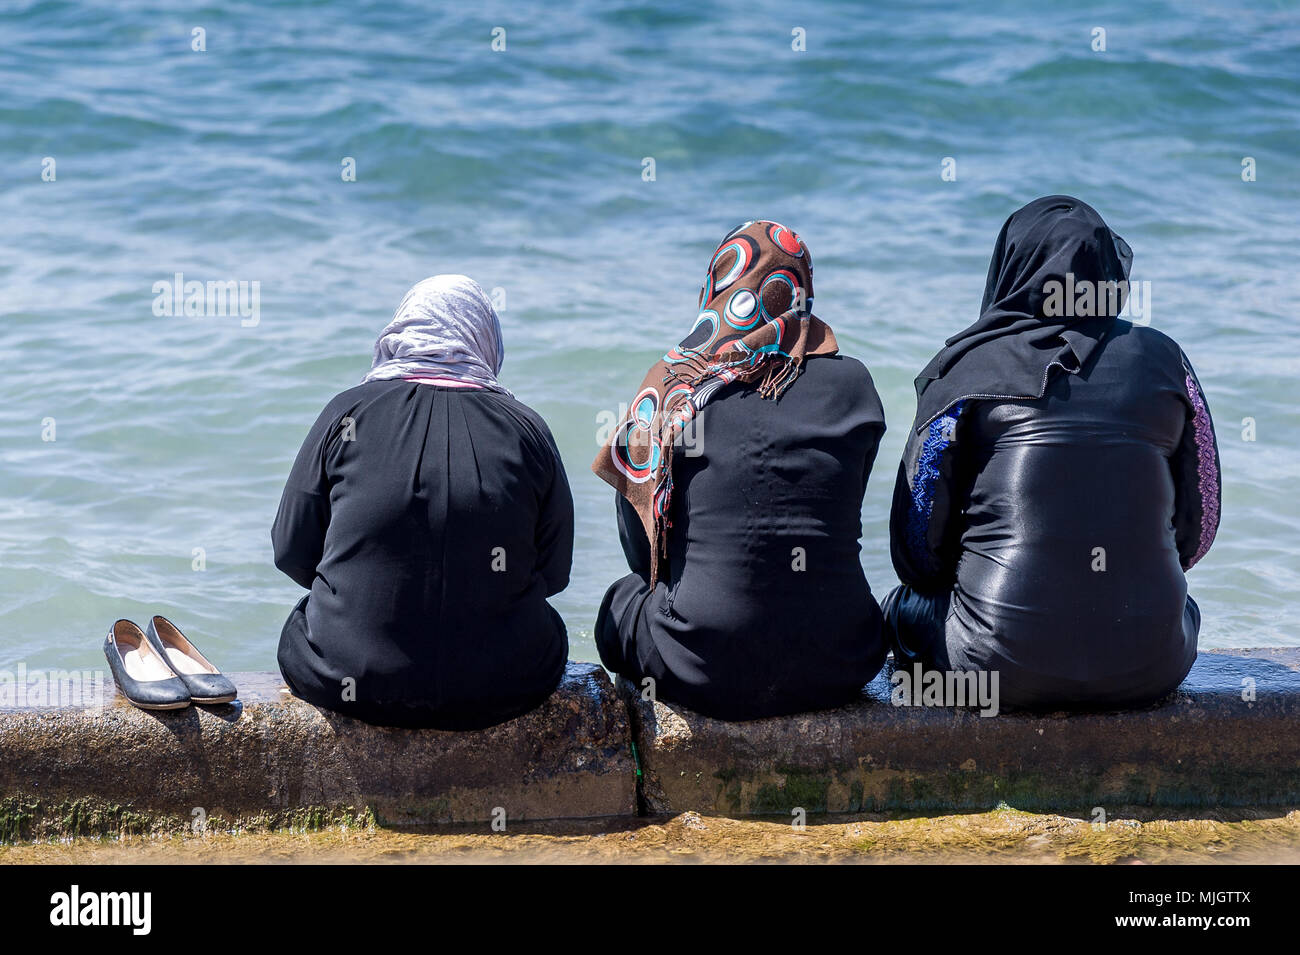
(740, 468)
(429, 515)
(1060, 478)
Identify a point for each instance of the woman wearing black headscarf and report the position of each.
(1059, 479)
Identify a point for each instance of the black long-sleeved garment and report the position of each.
(430, 524)
(1047, 539)
(763, 608)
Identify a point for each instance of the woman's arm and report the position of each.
(555, 528)
(298, 534)
(870, 461)
(1195, 467)
(925, 519)
(636, 546)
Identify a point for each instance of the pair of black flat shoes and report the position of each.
(160, 669)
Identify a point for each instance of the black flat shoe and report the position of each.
(205, 682)
(141, 672)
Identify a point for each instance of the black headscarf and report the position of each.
(1011, 349)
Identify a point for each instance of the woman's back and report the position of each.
(768, 524)
(764, 607)
(1069, 568)
(431, 524)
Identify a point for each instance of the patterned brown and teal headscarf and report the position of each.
(755, 325)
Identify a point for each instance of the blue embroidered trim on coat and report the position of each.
(940, 437)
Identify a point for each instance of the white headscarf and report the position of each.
(446, 328)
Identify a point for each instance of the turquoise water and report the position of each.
(523, 168)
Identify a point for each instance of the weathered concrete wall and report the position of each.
(1204, 747)
(272, 760)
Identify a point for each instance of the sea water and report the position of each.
(309, 162)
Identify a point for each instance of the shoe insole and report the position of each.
(183, 664)
(145, 667)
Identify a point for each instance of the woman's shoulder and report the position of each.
(352, 399)
(829, 387)
(1145, 339)
(840, 367)
(843, 376)
(530, 422)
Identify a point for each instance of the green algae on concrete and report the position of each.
(26, 818)
(796, 789)
(32, 819)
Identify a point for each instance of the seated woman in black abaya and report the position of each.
(429, 517)
(1060, 478)
(740, 469)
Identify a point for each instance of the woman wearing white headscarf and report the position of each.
(429, 515)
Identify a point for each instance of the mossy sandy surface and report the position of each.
(1001, 836)
(41, 821)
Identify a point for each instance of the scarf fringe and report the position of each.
(779, 377)
(664, 492)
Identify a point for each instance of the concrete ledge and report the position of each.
(270, 760)
(1205, 746)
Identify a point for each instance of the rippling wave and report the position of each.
(523, 168)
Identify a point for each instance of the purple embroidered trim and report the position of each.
(1207, 470)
